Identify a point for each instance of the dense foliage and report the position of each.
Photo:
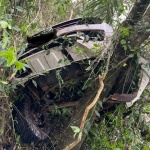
(113, 129)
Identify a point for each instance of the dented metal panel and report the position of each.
(79, 55)
(42, 62)
(89, 27)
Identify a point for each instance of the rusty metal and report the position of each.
(123, 97)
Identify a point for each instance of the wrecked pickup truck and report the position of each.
(59, 60)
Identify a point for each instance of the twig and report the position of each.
(35, 18)
(66, 104)
(119, 64)
(72, 145)
(3, 96)
(88, 108)
(71, 14)
(11, 76)
(3, 108)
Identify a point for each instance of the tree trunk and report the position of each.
(5, 114)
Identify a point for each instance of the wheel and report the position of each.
(31, 123)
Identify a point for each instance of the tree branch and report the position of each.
(137, 12)
(141, 30)
(88, 108)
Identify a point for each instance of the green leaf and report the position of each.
(96, 45)
(19, 8)
(5, 40)
(117, 149)
(19, 65)
(78, 49)
(3, 24)
(60, 61)
(97, 113)
(123, 42)
(34, 82)
(86, 131)
(88, 68)
(87, 38)
(80, 136)
(131, 56)
(3, 82)
(100, 103)
(9, 26)
(10, 56)
(23, 29)
(33, 26)
(138, 54)
(147, 30)
(75, 129)
(125, 47)
(16, 28)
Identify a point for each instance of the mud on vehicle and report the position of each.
(59, 59)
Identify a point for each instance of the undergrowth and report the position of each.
(121, 128)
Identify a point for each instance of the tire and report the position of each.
(26, 125)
